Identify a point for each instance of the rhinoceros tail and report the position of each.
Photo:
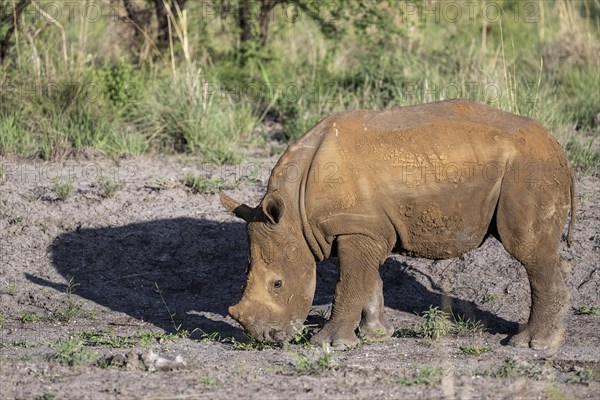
(573, 208)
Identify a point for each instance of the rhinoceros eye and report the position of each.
(277, 284)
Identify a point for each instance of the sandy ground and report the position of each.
(122, 278)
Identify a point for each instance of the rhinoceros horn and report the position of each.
(240, 210)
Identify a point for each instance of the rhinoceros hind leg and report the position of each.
(549, 304)
(532, 238)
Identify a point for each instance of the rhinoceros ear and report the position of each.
(273, 207)
(240, 210)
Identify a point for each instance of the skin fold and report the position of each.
(430, 181)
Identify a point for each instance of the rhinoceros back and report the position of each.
(423, 179)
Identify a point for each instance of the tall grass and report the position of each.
(186, 113)
(131, 97)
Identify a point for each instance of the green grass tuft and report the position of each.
(406, 333)
(11, 289)
(199, 184)
(302, 336)
(306, 365)
(107, 187)
(28, 317)
(22, 343)
(209, 381)
(588, 310)
(72, 309)
(254, 345)
(472, 349)
(72, 352)
(435, 324)
(108, 339)
(465, 326)
(62, 189)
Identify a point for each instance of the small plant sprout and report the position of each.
(209, 381)
(62, 189)
(466, 326)
(72, 352)
(108, 187)
(28, 317)
(72, 308)
(305, 365)
(302, 336)
(588, 310)
(435, 324)
(473, 349)
(48, 396)
(11, 289)
(17, 219)
(181, 331)
(406, 333)
(490, 298)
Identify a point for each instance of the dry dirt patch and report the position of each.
(132, 265)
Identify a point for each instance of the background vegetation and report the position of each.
(218, 78)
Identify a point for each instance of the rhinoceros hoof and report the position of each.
(337, 338)
(520, 340)
(549, 343)
(376, 333)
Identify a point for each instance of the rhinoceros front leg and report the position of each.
(374, 325)
(358, 293)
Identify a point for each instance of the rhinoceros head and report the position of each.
(281, 276)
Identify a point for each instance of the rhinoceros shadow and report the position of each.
(194, 269)
(404, 292)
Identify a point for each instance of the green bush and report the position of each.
(121, 83)
(76, 87)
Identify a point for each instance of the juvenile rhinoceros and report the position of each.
(431, 181)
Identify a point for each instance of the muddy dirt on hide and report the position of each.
(382, 199)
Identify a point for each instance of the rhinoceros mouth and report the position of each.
(277, 336)
(274, 335)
